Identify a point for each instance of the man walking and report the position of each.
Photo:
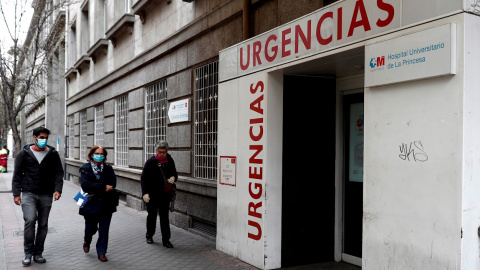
(38, 178)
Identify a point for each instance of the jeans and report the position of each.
(101, 223)
(35, 208)
(161, 207)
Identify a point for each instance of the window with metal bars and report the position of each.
(83, 135)
(121, 131)
(71, 136)
(99, 125)
(206, 119)
(155, 116)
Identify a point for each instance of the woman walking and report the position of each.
(99, 181)
(158, 172)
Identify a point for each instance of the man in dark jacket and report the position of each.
(38, 178)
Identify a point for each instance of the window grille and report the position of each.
(71, 136)
(155, 116)
(121, 131)
(83, 135)
(99, 125)
(206, 118)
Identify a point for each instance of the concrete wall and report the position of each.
(470, 247)
(413, 206)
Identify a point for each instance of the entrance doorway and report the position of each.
(308, 187)
(353, 106)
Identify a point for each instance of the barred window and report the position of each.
(71, 136)
(83, 135)
(121, 130)
(155, 116)
(206, 104)
(99, 125)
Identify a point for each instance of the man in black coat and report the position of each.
(37, 181)
(157, 172)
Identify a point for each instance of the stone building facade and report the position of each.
(129, 61)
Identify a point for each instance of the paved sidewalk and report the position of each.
(127, 246)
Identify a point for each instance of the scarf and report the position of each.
(96, 170)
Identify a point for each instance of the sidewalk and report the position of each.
(127, 245)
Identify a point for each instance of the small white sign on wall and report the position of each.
(228, 170)
(425, 54)
(179, 111)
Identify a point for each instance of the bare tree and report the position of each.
(24, 66)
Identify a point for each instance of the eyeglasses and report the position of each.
(162, 152)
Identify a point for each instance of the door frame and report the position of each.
(345, 86)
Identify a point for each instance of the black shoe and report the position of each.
(39, 258)
(149, 240)
(167, 244)
(27, 260)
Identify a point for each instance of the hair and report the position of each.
(93, 149)
(5, 146)
(39, 130)
(161, 144)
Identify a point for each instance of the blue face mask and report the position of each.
(41, 143)
(98, 158)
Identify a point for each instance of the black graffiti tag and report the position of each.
(413, 151)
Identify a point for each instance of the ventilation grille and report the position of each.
(204, 227)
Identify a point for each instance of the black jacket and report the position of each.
(41, 179)
(152, 180)
(101, 201)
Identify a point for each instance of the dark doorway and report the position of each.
(308, 195)
(353, 174)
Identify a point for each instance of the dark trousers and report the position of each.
(158, 206)
(35, 208)
(101, 223)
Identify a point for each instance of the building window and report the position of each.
(83, 135)
(121, 130)
(71, 136)
(99, 125)
(206, 104)
(155, 116)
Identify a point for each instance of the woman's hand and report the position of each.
(108, 188)
(146, 198)
(171, 180)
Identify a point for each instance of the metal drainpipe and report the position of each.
(246, 19)
(67, 20)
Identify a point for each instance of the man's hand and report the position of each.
(108, 188)
(57, 195)
(17, 200)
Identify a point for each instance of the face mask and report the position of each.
(98, 158)
(41, 143)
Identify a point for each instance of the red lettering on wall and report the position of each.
(270, 58)
(254, 174)
(255, 168)
(285, 42)
(259, 229)
(253, 159)
(389, 9)
(359, 7)
(256, 105)
(257, 47)
(258, 187)
(254, 212)
(242, 66)
(299, 34)
(256, 137)
(339, 23)
(321, 40)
